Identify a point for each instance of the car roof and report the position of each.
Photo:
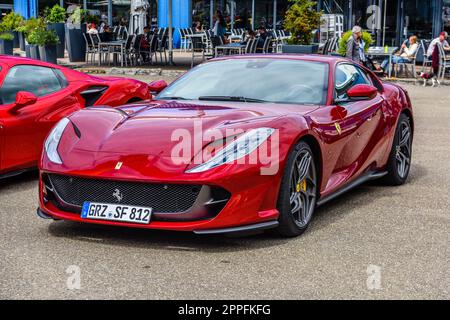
(14, 60)
(284, 56)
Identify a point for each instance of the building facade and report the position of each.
(390, 21)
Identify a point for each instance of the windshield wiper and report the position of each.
(172, 98)
(230, 98)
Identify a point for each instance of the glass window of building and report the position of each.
(419, 18)
(446, 15)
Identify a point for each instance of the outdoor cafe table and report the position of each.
(114, 44)
(381, 52)
(230, 47)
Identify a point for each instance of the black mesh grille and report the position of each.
(163, 198)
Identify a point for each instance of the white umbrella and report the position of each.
(138, 21)
(170, 33)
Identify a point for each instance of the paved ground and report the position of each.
(399, 236)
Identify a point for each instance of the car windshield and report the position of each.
(253, 80)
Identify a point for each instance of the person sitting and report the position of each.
(250, 35)
(92, 28)
(262, 36)
(107, 35)
(434, 55)
(198, 27)
(405, 55)
(442, 39)
(145, 44)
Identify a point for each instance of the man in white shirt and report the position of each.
(442, 40)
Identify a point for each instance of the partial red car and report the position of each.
(326, 124)
(35, 95)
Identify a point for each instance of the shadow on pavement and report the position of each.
(158, 239)
(26, 177)
(356, 199)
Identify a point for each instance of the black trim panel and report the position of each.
(364, 178)
(242, 229)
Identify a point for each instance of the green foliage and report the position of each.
(366, 36)
(10, 22)
(56, 14)
(301, 20)
(29, 25)
(93, 19)
(42, 37)
(80, 16)
(6, 36)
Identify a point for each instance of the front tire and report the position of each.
(399, 163)
(298, 192)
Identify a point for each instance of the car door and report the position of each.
(24, 130)
(348, 127)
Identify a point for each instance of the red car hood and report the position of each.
(156, 127)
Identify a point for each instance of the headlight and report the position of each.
(237, 149)
(52, 142)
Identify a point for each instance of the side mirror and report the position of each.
(362, 92)
(157, 86)
(23, 99)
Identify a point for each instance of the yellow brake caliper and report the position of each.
(301, 186)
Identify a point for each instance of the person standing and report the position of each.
(220, 26)
(356, 46)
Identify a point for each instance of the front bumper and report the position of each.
(251, 205)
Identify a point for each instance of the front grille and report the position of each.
(163, 198)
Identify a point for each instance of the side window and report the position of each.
(347, 76)
(40, 81)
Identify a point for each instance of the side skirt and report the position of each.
(15, 173)
(242, 230)
(362, 179)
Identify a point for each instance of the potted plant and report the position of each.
(366, 37)
(6, 43)
(76, 45)
(301, 20)
(47, 41)
(9, 23)
(55, 18)
(25, 28)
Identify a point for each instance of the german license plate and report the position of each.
(116, 212)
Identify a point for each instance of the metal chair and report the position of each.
(198, 47)
(444, 62)
(216, 41)
(406, 65)
(427, 62)
(183, 39)
(266, 46)
(90, 49)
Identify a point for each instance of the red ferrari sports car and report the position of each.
(236, 145)
(35, 95)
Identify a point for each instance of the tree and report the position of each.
(301, 20)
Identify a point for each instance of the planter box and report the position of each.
(300, 49)
(48, 53)
(34, 52)
(16, 39)
(22, 41)
(6, 47)
(76, 47)
(61, 33)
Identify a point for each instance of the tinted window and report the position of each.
(271, 80)
(347, 76)
(38, 80)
